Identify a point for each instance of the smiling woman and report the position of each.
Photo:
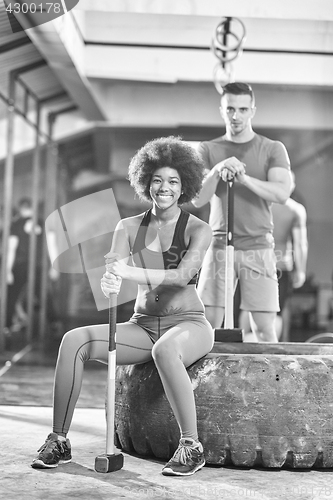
(168, 325)
(167, 152)
(165, 186)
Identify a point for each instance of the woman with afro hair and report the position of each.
(161, 250)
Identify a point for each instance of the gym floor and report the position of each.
(25, 419)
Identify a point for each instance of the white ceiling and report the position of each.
(287, 42)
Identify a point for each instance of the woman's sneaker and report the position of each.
(187, 459)
(52, 453)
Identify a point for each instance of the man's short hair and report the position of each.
(238, 88)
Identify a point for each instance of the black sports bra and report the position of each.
(170, 259)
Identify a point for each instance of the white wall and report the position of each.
(147, 104)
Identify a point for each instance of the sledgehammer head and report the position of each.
(109, 463)
(229, 335)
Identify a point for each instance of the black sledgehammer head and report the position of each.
(229, 335)
(109, 463)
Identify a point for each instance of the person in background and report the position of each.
(18, 262)
(260, 168)
(18, 255)
(161, 250)
(291, 250)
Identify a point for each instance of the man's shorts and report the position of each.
(254, 269)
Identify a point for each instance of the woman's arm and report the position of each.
(120, 249)
(200, 235)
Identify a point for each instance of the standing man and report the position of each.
(261, 170)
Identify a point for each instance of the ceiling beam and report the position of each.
(56, 41)
(14, 44)
(267, 9)
(197, 32)
(167, 65)
(141, 42)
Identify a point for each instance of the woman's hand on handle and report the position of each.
(110, 283)
(116, 265)
(111, 280)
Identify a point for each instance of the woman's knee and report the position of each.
(164, 352)
(72, 337)
(73, 342)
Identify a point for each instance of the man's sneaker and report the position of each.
(52, 453)
(187, 459)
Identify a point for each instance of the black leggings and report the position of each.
(179, 346)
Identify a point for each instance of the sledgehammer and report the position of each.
(229, 333)
(110, 461)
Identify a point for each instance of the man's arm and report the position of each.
(52, 246)
(208, 187)
(278, 186)
(276, 189)
(211, 180)
(11, 255)
(300, 243)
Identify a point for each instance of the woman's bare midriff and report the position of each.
(166, 300)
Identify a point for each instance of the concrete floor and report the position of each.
(25, 420)
(24, 429)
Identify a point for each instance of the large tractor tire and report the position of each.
(268, 405)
